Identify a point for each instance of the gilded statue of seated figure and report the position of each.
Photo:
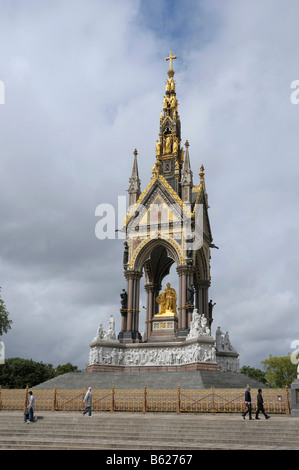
(167, 300)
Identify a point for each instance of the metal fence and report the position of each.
(146, 400)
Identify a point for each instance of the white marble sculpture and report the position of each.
(198, 326)
(108, 335)
(223, 342)
(198, 347)
(100, 333)
(152, 355)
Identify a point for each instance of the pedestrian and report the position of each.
(260, 405)
(88, 400)
(29, 413)
(247, 402)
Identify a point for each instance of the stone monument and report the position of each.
(166, 224)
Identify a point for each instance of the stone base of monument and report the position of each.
(193, 354)
(228, 361)
(295, 398)
(167, 349)
(200, 366)
(164, 327)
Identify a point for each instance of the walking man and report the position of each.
(30, 408)
(88, 400)
(247, 402)
(260, 405)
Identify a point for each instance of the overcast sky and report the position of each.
(84, 85)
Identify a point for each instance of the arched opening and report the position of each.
(158, 262)
(155, 260)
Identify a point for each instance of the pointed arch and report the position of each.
(144, 254)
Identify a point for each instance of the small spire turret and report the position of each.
(134, 188)
(187, 177)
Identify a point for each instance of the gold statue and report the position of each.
(168, 144)
(167, 301)
(175, 145)
(158, 147)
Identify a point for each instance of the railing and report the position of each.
(146, 400)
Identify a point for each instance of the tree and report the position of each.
(64, 369)
(5, 323)
(280, 371)
(18, 373)
(256, 374)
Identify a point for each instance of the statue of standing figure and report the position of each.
(211, 306)
(190, 295)
(124, 299)
(110, 334)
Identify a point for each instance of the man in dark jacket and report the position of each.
(260, 405)
(247, 403)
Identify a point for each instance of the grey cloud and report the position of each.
(84, 87)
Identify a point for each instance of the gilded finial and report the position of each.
(187, 143)
(170, 58)
(135, 153)
(202, 174)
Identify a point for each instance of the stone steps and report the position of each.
(130, 431)
(154, 446)
(182, 433)
(187, 380)
(111, 439)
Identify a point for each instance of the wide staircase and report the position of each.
(150, 431)
(154, 380)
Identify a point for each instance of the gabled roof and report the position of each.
(158, 186)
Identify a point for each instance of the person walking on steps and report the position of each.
(88, 400)
(29, 413)
(260, 405)
(247, 402)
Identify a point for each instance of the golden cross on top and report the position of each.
(170, 58)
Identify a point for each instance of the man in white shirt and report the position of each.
(31, 407)
(88, 400)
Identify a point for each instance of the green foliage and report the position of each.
(280, 371)
(64, 369)
(5, 323)
(18, 373)
(256, 374)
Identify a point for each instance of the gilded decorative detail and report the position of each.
(170, 240)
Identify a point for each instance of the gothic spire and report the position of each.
(187, 177)
(134, 187)
(168, 150)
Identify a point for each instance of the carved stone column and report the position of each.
(131, 333)
(130, 303)
(149, 309)
(185, 275)
(184, 298)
